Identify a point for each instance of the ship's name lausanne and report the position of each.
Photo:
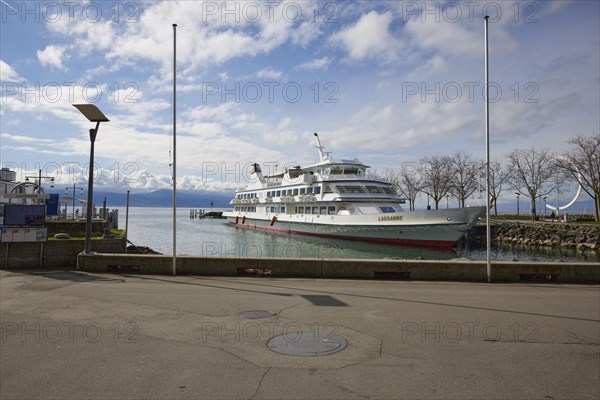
(391, 218)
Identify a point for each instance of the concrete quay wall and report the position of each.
(53, 253)
(343, 268)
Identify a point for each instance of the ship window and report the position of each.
(323, 210)
(332, 210)
(308, 210)
(309, 190)
(272, 209)
(318, 190)
(282, 209)
(301, 210)
(315, 210)
(302, 190)
(278, 193)
(295, 192)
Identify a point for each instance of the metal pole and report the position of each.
(73, 202)
(487, 156)
(126, 220)
(174, 151)
(90, 196)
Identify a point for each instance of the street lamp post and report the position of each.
(93, 114)
(518, 194)
(73, 189)
(447, 197)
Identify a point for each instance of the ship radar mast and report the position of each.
(324, 155)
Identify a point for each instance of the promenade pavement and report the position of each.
(73, 335)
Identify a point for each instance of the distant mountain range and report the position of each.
(202, 199)
(161, 198)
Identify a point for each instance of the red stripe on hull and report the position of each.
(443, 244)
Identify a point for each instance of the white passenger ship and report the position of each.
(335, 199)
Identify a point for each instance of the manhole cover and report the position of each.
(257, 314)
(307, 344)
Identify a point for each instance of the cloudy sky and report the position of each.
(387, 82)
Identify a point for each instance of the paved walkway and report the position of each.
(72, 335)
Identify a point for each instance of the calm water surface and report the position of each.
(152, 227)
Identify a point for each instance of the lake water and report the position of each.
(152, 227)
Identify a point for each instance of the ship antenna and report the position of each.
(322, 154)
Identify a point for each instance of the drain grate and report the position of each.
(256, 314)
(307, 344)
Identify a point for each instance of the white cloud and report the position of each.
(269, 73)
(369, 38)
(445, 37)
(224, 76)
(7, 73)
(316, 64)
(52, 56)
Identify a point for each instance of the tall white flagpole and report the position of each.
(487, 157)
(174, 151)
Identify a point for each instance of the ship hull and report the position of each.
(433, 228)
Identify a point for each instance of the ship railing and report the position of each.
(342, 176)
(308, 197)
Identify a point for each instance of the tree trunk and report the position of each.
(533, 211)
(597, 207)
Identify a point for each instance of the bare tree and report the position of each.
(392, 175)
(498, 179)
(464, 176)
(531, 172)
(582, 164)
(437, 177)
(410, 184)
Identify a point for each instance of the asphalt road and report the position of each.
(72, 335)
